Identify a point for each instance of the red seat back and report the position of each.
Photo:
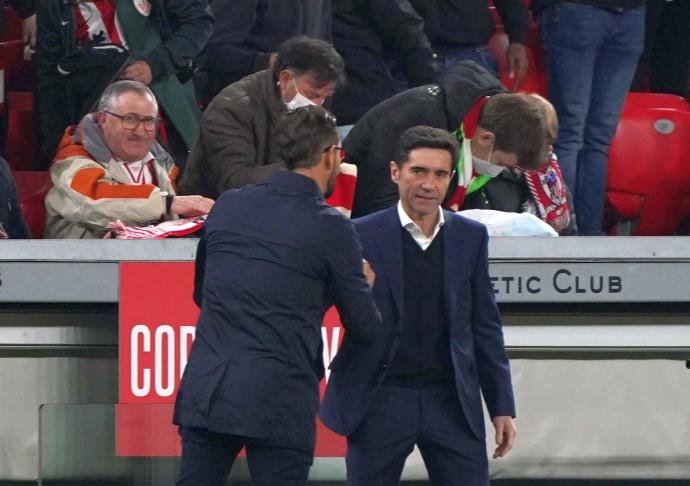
(648, 167)
(12, 25)
(32, 188)
(646, 101)
(19, 148)
(535, 80)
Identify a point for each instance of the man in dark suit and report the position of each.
(442, 342)
(273, 258)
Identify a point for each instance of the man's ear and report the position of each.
(395, 172)
(284, 77)
(100, 118)
(485, 138)
(327, 158)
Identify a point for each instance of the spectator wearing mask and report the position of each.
(516, 135)
(248, 34)
(159, 42)
(592, 49)
(363, 30)
(111, 168)
(460, 30)
(540, 191)
(12, 224)
(236, 145)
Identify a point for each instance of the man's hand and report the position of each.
(368, 273)
(29, 31)
(517, 64)
(190, 206)
(138, 71)
(505, 435)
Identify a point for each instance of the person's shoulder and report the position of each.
(463, 224)
(244, 92)
(372, 221)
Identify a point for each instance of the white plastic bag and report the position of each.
(500, 223)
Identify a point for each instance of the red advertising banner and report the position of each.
(157, 327)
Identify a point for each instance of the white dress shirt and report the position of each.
(415, 231)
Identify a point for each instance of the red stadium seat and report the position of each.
(648, 177)
(19, 148)
(535, 80)
(645, 101)
(32, 188)
(12, 25)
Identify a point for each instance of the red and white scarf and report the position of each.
(97, 23)
(549, 194)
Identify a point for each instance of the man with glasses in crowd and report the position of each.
(110, 167)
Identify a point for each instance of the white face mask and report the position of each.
(485, 167)
(299, 100)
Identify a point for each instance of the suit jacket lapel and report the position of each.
(389, 245)
(452, 255)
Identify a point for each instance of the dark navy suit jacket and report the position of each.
(273, 258)
(476, 338)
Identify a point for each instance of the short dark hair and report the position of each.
(517, 122)
(423, 136)
(303, 54)
(302, 135)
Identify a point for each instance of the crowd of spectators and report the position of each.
(138, 101)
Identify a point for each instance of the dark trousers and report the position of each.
(431, 418)
(207, 458)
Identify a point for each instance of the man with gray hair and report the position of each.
(110, 167)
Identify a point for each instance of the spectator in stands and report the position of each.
(460, 30)
(248, 34)
(236, 145)
(111, 168)
(163, 39)
(362, 31)
(512, 133)
(273, 259)
(665, 62)
(12, 224)
(591, 51)
(540, 191)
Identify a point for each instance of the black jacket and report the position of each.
(508, 192)
(12, 222)
(247, 32)
(468, 23)
(617, 6)
(273, 259)
(362, 31)
(185, 27)
(372, 143)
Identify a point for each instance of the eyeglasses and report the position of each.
(132, 122)
(341, 151)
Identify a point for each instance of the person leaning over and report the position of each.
(237, 145)
(442, 341)
(273, 259)
(110, 167)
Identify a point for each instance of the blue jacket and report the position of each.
(273, 259)
(476, 338)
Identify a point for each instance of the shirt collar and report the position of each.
(407, 223)
(295, 181)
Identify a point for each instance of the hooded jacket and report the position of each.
(91, 189)
(372, 143)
